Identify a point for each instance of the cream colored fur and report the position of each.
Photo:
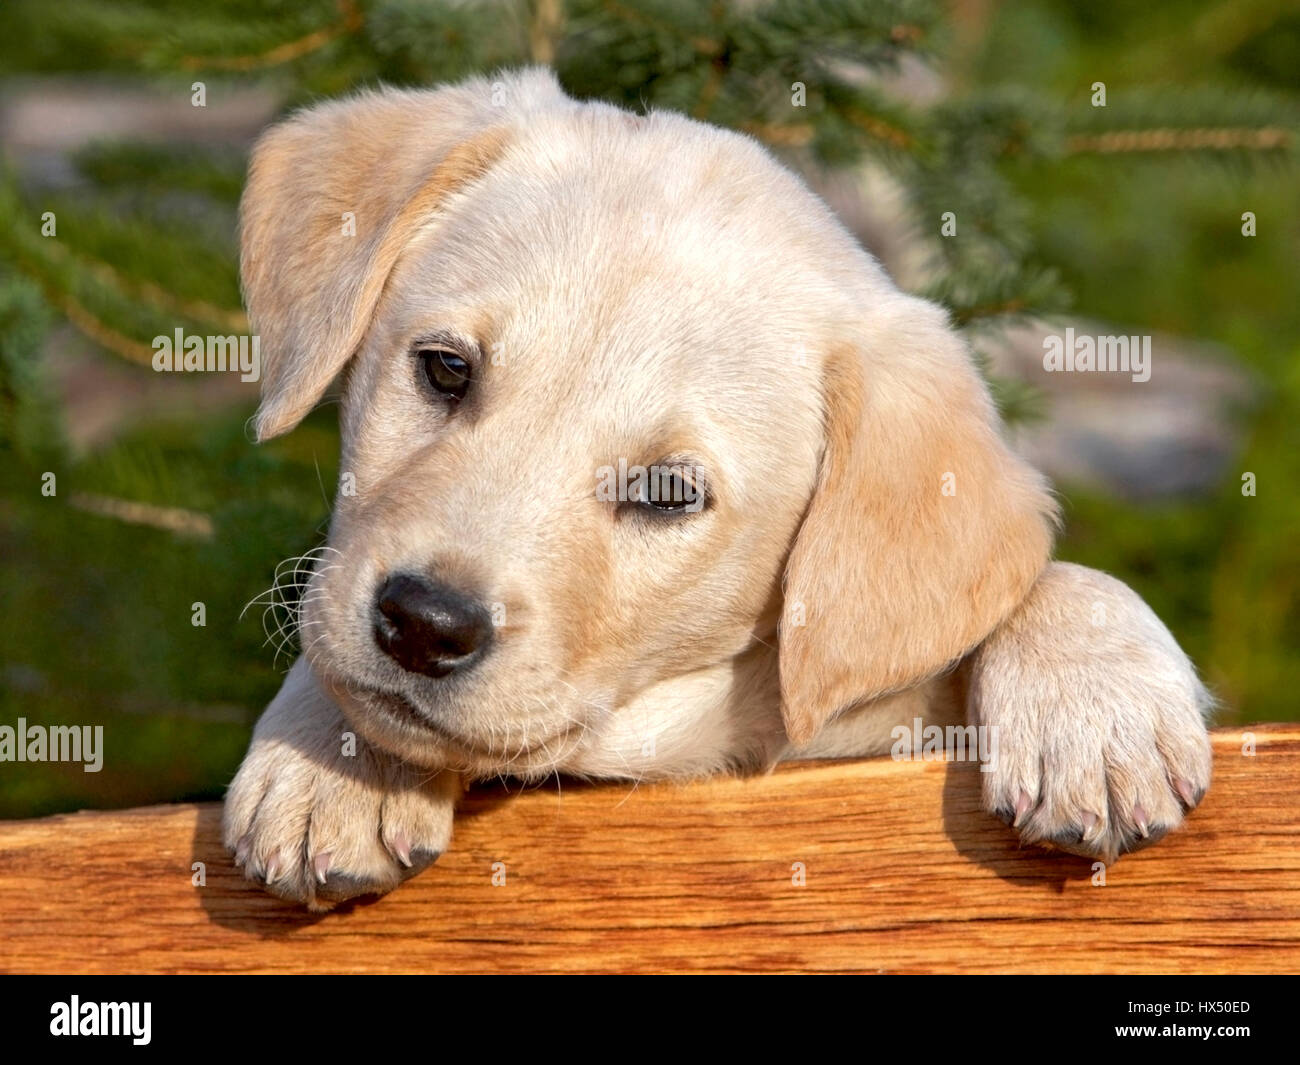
(649, 288)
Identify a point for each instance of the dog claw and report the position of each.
(321, 866)
(1185, 792)
(273, 868)
(1091, 826)
(400, 845)
(1022, 807)
(1140, 819)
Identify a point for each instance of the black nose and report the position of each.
(429, 628)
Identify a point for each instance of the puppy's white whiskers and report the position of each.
(290, 591)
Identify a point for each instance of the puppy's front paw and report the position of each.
(319, 817)
(1098, 717)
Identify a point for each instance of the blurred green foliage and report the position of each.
(97, 612)
(1151, 241)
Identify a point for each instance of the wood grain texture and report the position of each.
(903, 874)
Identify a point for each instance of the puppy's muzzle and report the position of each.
(429, 628)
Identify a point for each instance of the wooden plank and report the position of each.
(903, 874)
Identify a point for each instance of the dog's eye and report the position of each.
(446, 372)
(667, 491)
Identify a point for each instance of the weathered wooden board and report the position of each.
(903, 873)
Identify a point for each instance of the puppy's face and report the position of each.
(583, 427)
(602, 373)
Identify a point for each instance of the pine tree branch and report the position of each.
(708, 92)
(880, 130)
(705, 46)
(544, 30)
(103, 335)
(350, 21)
(1178, 140)
(177, 520)
(781, 134)
(30, 422)
(150, 293)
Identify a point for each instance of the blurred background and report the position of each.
(125, 128)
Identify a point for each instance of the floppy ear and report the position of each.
(924, 531)
(333, 196)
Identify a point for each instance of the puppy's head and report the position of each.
(622, 402)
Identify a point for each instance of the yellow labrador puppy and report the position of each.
(656, 474)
